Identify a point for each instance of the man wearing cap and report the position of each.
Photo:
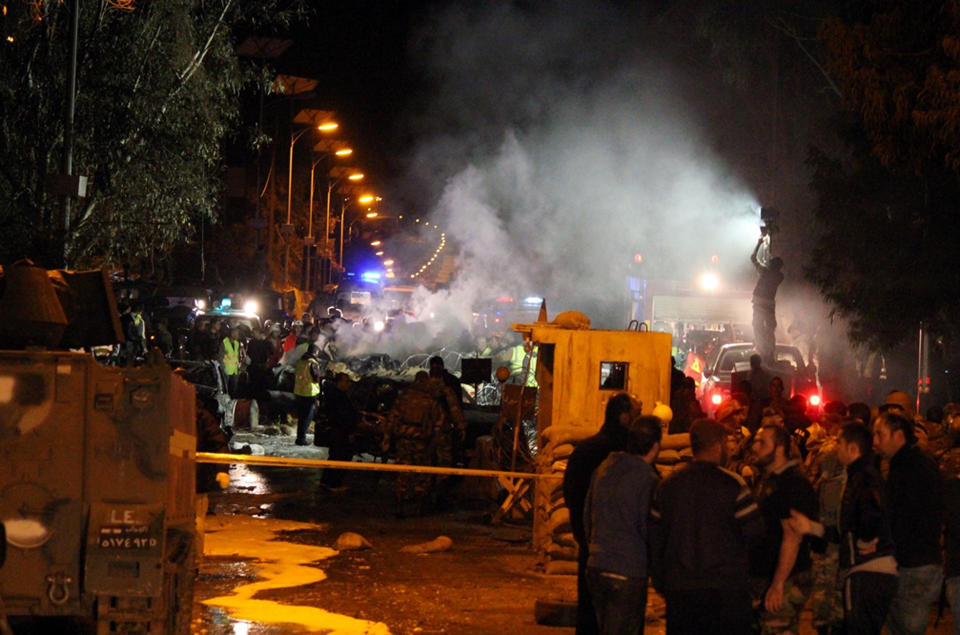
(703, 519)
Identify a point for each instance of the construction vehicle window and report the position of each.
(613, 375)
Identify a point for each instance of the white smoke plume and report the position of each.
(558, 162)
(558, 140)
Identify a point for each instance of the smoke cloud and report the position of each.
(555, 146)
(557, 141)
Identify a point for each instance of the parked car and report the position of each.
(724, 361)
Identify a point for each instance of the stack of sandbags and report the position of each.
(674, 453)
(553, 536)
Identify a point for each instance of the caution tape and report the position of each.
(282, 461)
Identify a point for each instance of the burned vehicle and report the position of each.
(97, 477)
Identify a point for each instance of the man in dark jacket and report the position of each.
(584, 459)
(615, 521)
(915, 493)
(703, 520)
(341, 420)
(780, 563)
(867, 566)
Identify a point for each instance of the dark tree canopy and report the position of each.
(888, 199)
(157, 92)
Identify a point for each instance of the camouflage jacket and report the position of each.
(416, 414)
(453, 411)
(949, 462)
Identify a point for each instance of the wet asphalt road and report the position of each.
(486, 583)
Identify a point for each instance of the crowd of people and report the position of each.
(854, 513)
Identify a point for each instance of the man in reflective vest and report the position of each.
(518, 357)
(306, 388)
(136, 334)
(231, 351)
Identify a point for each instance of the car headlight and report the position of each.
(251, 306)
(378, 325)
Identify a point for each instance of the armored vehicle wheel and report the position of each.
(180, 571)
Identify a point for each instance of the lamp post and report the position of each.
(336, 176)
(365, 199)
(325, 150)
(329, 126)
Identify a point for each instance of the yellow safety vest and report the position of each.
(231, 356)
(517, 356)
(139, 324)
(303, 383)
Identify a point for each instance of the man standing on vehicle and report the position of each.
(764, 301)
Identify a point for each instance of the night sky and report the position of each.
(358, 52)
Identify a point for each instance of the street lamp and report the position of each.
(324, 151)
(336, 176)
(328, 126)
(366, 199)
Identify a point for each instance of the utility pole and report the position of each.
(72, 190)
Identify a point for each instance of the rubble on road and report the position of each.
(440, 543)
(350, 541)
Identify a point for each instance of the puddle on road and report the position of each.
(281, 565)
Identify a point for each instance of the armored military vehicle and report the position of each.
(97, 477)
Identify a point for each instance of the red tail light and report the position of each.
(814, 400)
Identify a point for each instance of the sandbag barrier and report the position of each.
(553, 535)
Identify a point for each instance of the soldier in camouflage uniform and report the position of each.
(413, 423)
(448, 439)
(450, 433)
(830, 476)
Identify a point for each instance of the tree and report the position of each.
(157, 92)
(888, 197)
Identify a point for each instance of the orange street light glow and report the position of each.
(388, 262)
(357, 176)
(371, 214)
(379, 253)
(330, 126)
(345, 152)
(375, 243)
(365, 199)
